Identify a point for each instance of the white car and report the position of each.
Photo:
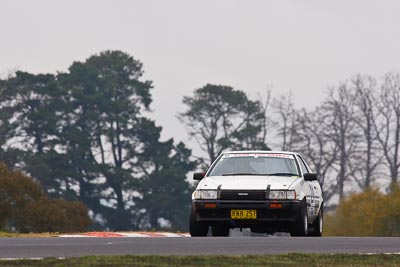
(266, 191)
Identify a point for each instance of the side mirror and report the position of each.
(310, 176)
(198, 176)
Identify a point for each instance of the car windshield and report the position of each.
(255, 164)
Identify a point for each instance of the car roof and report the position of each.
(261, 151)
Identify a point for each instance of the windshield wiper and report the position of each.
(282, 174)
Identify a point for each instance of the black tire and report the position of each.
(220, 230)
(318, 224)
(196, 228)
(300, 227)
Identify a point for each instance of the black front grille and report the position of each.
(242, 194)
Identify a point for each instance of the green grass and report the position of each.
(336, 260)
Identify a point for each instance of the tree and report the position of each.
(24, 207)
(316, 145)
(104, 99)
(365, 161)
(339, 108)
(252, 135)
(111, 139)
(219, 117)
(54, 215)
(166, 197)
(28, 119)
(387, 123)
(286, 121)
(83, 133)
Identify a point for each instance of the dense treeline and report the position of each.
(83, 135)
(355, 141)
(352, 139)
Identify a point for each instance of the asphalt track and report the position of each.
(75, 247)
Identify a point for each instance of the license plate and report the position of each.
(243, 214)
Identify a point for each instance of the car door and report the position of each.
(312, 189)
(316, 186)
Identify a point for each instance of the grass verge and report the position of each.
(259, 260)
(9, 234)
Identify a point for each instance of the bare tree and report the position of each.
(319, 149)
(285, 121)
(365, 161)
(339, 108)
(266, 110)
(387, 123)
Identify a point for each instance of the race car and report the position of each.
(266, 191)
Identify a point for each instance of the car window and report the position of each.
(308, 166)
(255, 164)
(302, 165)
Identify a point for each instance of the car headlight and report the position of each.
(277, 194)
(205, 194)
(282, 194)
(291, 194)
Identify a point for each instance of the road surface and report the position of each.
(75, 247)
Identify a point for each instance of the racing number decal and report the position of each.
(313, 200)
(310, 200)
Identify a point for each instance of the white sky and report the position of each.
(299, 46)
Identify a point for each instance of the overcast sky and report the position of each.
(298, 46)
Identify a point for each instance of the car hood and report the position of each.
(249, 182)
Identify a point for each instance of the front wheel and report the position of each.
(300, 227)
(196, 228)
(318, 224)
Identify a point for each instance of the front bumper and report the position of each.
(287, 213)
